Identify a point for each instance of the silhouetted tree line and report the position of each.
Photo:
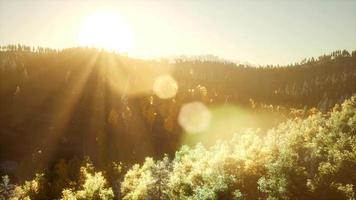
(60, 104)
(313, 82)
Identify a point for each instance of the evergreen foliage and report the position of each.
(310, 156)
(45, 95)
(313, 158)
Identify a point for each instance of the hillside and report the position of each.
(314, 158)
(84, 102)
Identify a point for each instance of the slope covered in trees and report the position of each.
(312, 158)
(84, 102)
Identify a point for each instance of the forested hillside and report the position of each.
(80, 102)
(312, 158)
(177, 100)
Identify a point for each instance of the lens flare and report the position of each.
(194, 117)
(228, 120)
(165, 87)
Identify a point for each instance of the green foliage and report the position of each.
(227, 170)
(6, 189)
(94, 187)
(314, 158)
(148, 181)
(30, 190)
(79, 79)
(88, 185)
(219, 171)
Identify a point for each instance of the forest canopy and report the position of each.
(83, 123)
(312, 158)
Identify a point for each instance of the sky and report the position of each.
(255, 31)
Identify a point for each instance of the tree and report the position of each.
(93, 188)
(6, 189)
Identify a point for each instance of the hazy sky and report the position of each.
(257, 31)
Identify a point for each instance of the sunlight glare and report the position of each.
(106, 30)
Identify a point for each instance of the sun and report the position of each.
(106, 30)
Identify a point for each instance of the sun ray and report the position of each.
(41, 99)
(63, 111)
